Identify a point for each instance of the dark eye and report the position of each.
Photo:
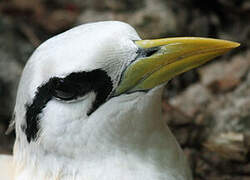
(64, 90)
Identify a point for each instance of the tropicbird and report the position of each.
(88, 106)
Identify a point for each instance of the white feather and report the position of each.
(125, 138)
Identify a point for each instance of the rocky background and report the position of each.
(208, 109)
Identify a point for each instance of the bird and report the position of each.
(88, 105)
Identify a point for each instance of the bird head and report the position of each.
(70, 76)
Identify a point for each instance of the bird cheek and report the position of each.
(62, 112)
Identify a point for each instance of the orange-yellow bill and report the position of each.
(171, 56)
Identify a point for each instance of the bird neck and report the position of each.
(127, 129)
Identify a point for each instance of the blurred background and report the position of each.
(208, 109)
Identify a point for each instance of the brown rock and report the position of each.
(222, 76)
(193, 100)
(153, 21)
(58, 20)
(228, 145)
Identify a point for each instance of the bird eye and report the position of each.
(64, 91)
(64, 95)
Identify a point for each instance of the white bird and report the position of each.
(88, 106)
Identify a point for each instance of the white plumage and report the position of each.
(124, 138)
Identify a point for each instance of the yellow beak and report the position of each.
(162, 59)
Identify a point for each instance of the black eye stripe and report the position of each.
(42, 97)
(71, 87)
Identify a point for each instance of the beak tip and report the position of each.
(232, 45)
(235, 44)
